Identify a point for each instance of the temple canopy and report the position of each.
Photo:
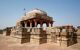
(35, 17)
(36, 13)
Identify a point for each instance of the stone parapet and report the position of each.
(62, 37)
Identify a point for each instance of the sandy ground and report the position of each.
(9, 43)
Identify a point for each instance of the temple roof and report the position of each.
(36, 13)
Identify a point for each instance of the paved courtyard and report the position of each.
(9, 43)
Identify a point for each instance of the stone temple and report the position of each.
(29, 29)
(33, 18)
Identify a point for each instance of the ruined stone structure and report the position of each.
(7, 31)
(66, 36)
(27, 30)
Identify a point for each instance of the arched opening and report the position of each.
(51, 23)
(44, 26)
(23, 25)
(33, 24)
(28, 24)
(38, 24)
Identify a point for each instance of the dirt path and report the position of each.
(9, 43)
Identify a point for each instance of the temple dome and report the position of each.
(36, 11)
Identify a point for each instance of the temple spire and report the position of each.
(24, 11)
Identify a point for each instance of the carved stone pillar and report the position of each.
(47, 24)
(35, 24)
(41, 24)
(51, 24)
(26, 24)
(30, 24)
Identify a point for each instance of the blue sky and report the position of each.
(63, 11)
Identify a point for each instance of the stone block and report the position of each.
(42, 40)
(49, 36)
(34, 41)
(63, 43)
(4, 33)
(78, 39)
(49, 40)
(34, 36)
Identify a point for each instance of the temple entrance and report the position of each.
(28, 24)
(33, 24)
(38, 24)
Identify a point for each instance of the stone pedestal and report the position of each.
(62, 41)
(4, 33)
(7, 32)
(34, 39)
(78, 35)
(22, 35)
(78, 39)
(49, 38)
(38, 36)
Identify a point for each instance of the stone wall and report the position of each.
(32, 35)
(1, 31)
(62, 36)
(7, 31)
(78, 35)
